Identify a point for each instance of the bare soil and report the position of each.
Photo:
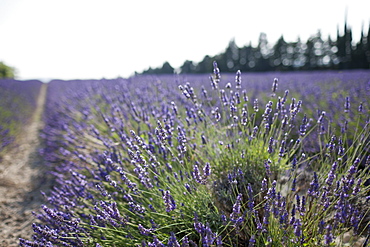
(22, 177)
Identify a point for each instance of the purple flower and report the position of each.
(156, 243)
(219, 241)
(266, 216)
(46, 232)
(250, 197)
(357, 187)
(207, 170)
(294, 184)
(236, 207)
(352, 170)
(224, 219)
(136, 208)
(303, 126)
(264, 185)
(271, 193)
(208, 237)
(174, 107)
(245, 97)
(144, 231)
(303, 205)
(355, 219)
(187, 186)
(199, 227)
(328, 237)
(169, 201)
(204, 141)
(216, 72)
(252, 241)
(267, 167)
(185, 242)
(274, 85)
(255, 105)
(268, 110)
(298, 200)
(199, 178)
(314, 186)
(270, 148)
(279, 105)
(282, 149)
(53, 214)
(331, 175)
(360, 108)
(321, 227)
(321, 117)
(292, 105)
(254, 133)
(294, 162)
(196, 174)
(172, 241)
(238, 80)
(346, 105)
(297, 228)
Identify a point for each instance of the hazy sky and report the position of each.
(81, 39)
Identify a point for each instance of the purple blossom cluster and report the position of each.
(147, 161)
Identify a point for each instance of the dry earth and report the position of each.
(22, 177)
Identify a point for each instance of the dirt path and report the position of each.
(22, 176)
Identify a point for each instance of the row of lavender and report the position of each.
(197, 161)
(17, 103)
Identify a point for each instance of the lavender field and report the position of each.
(17, 102)
(272, 159)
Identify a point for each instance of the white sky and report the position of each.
(82, 39)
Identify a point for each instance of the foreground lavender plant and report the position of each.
(162, 166)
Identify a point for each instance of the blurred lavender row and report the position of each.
(17, 103)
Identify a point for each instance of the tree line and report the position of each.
(314, 54)
(6, 71)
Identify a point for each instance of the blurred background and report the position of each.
(92, 39)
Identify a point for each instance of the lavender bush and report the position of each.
(17, 103)
(142, 162)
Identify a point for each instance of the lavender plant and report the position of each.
(17, 103)
(183, 164)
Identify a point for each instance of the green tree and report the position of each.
(299, 58)
(359, 58)
(232, 56)
(280, 59)
(344, 48)
(188, 67)
(314, 54)
(6, 71)
(205, 65)
(166, 69)
(262, 54)
(246, 56)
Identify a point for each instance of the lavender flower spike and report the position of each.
(346, 105)
(216, 72)
(172, 241)
(238, 80)
(207, 170)
(274, 86)
(169, 201)
(235, 215)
